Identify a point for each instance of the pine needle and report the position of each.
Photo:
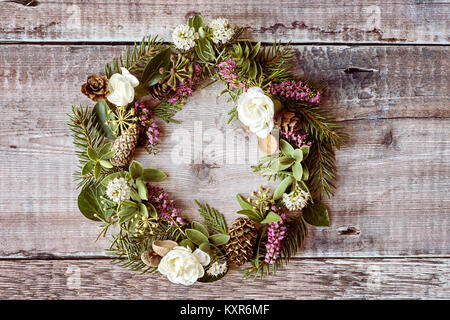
(214, 220)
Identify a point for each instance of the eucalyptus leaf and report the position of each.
(136, 169)
(103, 114)
(200, 227)
(297, 171)
(286, 147)
(153, 175)
(316, 214)
(205, 247)
(219, 239)
(281, 188)
(97, 170)
(298, 155)
(89, 202)
(196, 236)
(87, 168)
(271, 217)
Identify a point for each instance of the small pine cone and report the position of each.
(288, 121)
(96, 87)
(242, 242)
(161, 91)
(124, 147)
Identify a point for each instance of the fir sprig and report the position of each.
(166, 111)
(86, 133)
(214, 220)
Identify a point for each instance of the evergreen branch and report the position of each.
(166, 111)
(136, 59)
(214, 220)
(86, 133)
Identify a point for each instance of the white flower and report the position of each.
(256, 111)
(184, 37)
(122, 88)
(217, 269)
(221, 29)
(296, 200)
(118, 190)
(181, 266)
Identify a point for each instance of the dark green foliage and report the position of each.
(166, 111)
(214, 220)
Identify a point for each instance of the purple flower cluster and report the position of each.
(297, 91)
(226, 70)
(159, 198)
(276, 233)
(148, 124)
(297, 137)
(186, 87)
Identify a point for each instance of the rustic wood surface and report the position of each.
(390, 215)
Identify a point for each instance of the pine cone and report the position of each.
(124, 147)
(242, 242)
(96, 87)
(161, 91)
(288, 121)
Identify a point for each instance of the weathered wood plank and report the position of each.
(300, 21)
(301, 279)
(393, 174)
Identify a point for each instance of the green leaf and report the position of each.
(103, 114)
(187, 243)
(143, 209)
(261, 233)
(92, 154)
(129, 203)
(201, 32)
(89, 202)
(200, 227)
(281, 164)
(298, 155)
(151, 70)
(126, 211)
(271, 217)
(244, 204)
(219, 239)
(305, 173)
(297, 171)
(153, 175)
(87, 168)
(112, 176)
(106, 164)
(305, 150)
(108, 155)
(135, 196)
(136, 169)
(316, 214)
(286, 147)
(205, 247)
(105, 149)
(197, 22)
(97, 170)
(252, 215)
(153, 213)
(196, 236)
(142, 189)
(280, 190)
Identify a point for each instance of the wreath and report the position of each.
(153, 80)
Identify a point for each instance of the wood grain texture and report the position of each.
(301, 279)
(327, 21)
(394, 177)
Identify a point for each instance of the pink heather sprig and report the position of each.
(297, 137)
(276, 233)
(148, 124)
(226, 70)
(297, 91)
(187, 86)
(159, 198)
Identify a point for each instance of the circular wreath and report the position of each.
(117, 191)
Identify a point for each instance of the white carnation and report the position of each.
(296, 200)
(118, 190)
(217, 269)
(222, 31)
(184, 37)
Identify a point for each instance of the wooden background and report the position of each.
(390, 216)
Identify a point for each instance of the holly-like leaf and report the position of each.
(316, 214)
(271, 217)
(280, 190)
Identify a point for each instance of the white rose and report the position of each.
(256, 111)
(181, 266)
(122, 88)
